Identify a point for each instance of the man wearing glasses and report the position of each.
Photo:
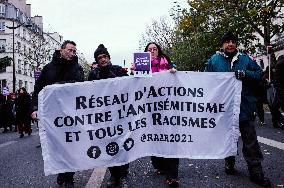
(106, 70)
(63, 68)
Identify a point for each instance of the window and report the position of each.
(24, 18)
(25, 68)
(2, 45)
(2, 10)
(28, 37)
(18, 31)
(26, 84)
(19, 47)
(20, 83)
(32, 68)
(24, 49)
(3, 83)
(2, 26)
(17, 13)
(19, 66)
(24, 33)
(30, 53)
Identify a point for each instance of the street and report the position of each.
(21, 165)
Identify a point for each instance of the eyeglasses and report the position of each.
(152, 49)
(102, 56)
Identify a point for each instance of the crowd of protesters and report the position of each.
(259, 88)
(15, 112)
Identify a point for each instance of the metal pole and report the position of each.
(269, 67)
(13, 40)
(14, 69)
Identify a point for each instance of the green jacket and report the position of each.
(219, 62)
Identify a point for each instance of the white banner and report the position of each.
(115, 121)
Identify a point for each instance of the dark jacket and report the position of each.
(6, 113)
(22, 107)
(59, 70)
(279, 80)
(220, 63)
(260, 90)
(110, 71)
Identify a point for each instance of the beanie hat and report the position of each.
(101, 50)
(228, 36)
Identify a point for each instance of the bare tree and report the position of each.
(160, 31)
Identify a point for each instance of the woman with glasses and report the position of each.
(161, 62)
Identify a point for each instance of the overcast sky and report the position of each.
(118, 24)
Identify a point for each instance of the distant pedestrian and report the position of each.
(7, 114)
(2, 102)
(23, 110)
(228, 59)
(63, 68)
(279, 80)
(260, 93)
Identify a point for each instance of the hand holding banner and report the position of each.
(115, 121)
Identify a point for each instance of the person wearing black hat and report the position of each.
(228, 59)
(106, 70)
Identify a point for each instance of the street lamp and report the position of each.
(14, 69)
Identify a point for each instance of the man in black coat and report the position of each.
(106, 70)
(63, 68)
(279, 80)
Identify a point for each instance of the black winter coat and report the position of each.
(7, 113)
(22, 106)
(110, 71)
(59, 70)
(279, 80)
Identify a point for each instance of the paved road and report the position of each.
(21, 165)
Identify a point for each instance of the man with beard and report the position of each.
(229, 59)
(63, 68)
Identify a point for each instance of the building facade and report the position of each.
(24, 47)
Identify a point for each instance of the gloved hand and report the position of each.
(240, 74)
